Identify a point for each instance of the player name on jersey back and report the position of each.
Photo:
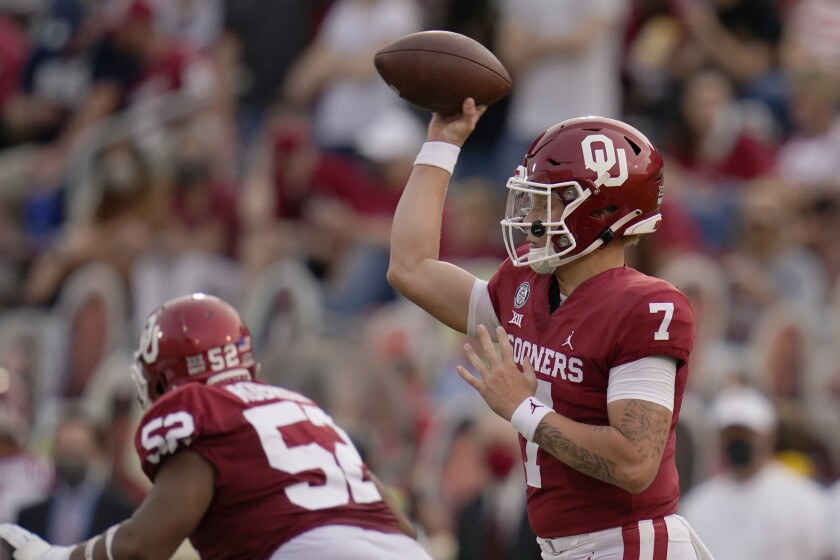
(251, 392)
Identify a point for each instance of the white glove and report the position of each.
(29, 546)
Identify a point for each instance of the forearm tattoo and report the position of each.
(578, 457)
(644, 424)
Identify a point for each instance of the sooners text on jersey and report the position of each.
(613, 318)
(282, 466)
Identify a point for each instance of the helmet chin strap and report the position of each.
(542, 267)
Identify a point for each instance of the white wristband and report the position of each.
(109, 541)
(528, 415)
(89, 547)
(438, 154)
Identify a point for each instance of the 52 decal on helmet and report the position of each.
(231, 355)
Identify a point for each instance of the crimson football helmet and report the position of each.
(196, 338)
(605, 176)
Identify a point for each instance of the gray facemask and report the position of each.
(71, 473)
(740, 452)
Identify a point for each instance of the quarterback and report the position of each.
(244, 469)
(593, 355)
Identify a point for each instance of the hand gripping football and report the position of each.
(437, 70)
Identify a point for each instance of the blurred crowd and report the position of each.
(248, 149)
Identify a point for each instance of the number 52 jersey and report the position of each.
(282, 466)
(613, 318)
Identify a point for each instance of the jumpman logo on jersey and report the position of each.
(569, 342)
(534, 406)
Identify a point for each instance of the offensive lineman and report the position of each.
(245, 470)
(603, 349)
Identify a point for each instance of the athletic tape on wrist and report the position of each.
(109, 541)
(528, 415)
(89, 547)
(439, 154)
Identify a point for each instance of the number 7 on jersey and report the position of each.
(668, 309)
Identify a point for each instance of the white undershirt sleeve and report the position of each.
(481, 310)
(649, 379)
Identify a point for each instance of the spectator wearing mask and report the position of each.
(494, 524)
(755, 507)
(82, 502)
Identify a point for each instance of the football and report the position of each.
(437, 70)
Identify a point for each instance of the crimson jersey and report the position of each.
(282, 466)
(613, 318)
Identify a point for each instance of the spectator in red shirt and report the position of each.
(134, 64)
(332, 210)
(357, 209)
(717, 148)
(14, 47)
(714, 141)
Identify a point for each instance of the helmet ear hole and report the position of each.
(160, 388)
(602, 213)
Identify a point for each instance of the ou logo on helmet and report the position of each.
(601, 160)
(149, 341)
